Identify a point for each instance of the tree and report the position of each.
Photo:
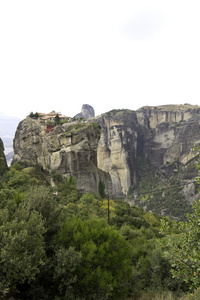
(67, 190)
(17, 179)
(34, 116)
(42, 200)
(101, 189)
(21, 250)
(182, 245)
(105, 267)
(65, 275)
(57, 119)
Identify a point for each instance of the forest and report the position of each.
(58, 244)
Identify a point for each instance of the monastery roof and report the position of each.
(46, 116)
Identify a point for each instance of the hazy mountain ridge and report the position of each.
(8, 126)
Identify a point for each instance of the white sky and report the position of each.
(58, 55)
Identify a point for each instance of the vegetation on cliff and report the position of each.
(160, 190)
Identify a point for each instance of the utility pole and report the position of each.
(108, 210)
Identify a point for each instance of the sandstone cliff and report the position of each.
(117, 148)
(146, 155)
(149, 155)
(170, 132)
(70, 149)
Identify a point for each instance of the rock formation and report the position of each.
(117, 148)
(146, 154)
(170, 132)
(166, 140)
(87, 112)
(152, 150)
(3, 164)
(70, 149)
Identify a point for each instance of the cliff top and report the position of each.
(171, 107)
(117, 113)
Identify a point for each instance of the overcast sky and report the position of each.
(58, 55)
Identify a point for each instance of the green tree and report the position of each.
(42, 200)
(15, 178)
(21, 250)
(57, 119)
(182, 244)
(65, 275)
(67, 190)
(34, 116)
(105, 268)
(101, 189)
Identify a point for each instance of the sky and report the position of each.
(110, 54)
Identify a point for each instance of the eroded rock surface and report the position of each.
(170, 132)
(117, 148)
(70, 149)
(147, 153)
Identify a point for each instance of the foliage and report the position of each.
(182, 249)
(16, 178)
(106, 257)
(151, 191)
(96, 126)
(57, 119)
(56, 176)
(42, 200)
(34, 115)
(21, 249)
(65, 276)
(63, 121)
(67, 190)
(182, 245)
(61, 246)
(101, 189)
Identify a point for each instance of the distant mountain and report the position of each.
(8, 125)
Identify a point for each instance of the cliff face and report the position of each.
(146, 154)
(149, 154)
(170, 132)
(168, 136)
(3, 164)
(117, 148)
(70, 149)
